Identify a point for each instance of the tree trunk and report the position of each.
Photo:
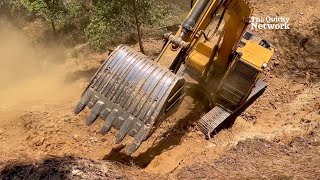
(53, 28)
(49, 4)
(136, 18)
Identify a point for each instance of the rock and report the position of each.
(76, 172)
(276, 62)
(75, 137)
(67, 120)
(301, 13)
(211, 145)
(93, 139)
(305, 120)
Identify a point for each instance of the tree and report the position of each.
(52, 11)
(137, 23)
(14, 11)
(112, 21)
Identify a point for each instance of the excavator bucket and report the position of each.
(132, 94)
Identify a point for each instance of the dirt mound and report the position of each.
(249, 159)
(297, 49)
(263, 159)
(67, 168)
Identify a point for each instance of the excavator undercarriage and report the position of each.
(212, 51)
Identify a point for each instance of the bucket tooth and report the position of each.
(131, 93)
(105, 128)
(138, 138)
(118, 121)
(124, 129)
(109, 121)
(79, 108)
(135, 127)
(105, 113)
(84, 101)
(94, 113)
(93, 101)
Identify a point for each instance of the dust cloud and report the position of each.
(28, 71)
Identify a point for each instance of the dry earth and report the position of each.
(276, 138)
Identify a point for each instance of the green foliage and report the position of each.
(102, 22)
(100, 33)
(74, 9)
(6, 6)
(112, 21)
(164, 14)
(109, 21)
(13, 8)
(52, 11)
(57, 12)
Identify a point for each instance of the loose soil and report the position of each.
(275, 138)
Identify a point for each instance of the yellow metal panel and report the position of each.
(205, 48)
(255, 54)
(237, 11)
(197, 61)
(199, 58)
(168, 55)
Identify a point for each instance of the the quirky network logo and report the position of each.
(270, 22)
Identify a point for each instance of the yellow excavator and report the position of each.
(212, 51)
